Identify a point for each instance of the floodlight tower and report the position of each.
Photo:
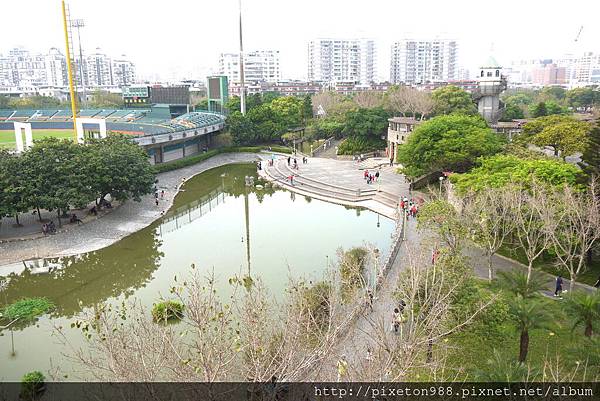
(243, 85)
(68, 45)
(79, 23)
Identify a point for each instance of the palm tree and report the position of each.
(585, 308)
(501, 369)
(516, 281)
(528, 314)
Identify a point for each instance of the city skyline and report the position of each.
(539, 31)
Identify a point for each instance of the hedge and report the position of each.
(191, 160)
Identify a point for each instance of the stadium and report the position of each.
(163, 137)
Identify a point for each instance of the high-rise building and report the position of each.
(259, 66)
(342, 60)
(123, 72)
(420, 61)
(99, 69)
(56, 68)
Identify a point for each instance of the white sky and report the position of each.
(176, 38)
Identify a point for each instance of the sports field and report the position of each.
(7, 138)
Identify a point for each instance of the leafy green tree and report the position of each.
(307, 109)
(104, 99)
(553, 108)
(288, 110)
(538, 110)
(366, 123)
(590, 159)
(13, 186)
(119, 167)
(448, 143)
(585, 309)
(527, 315)
(242, 129)
(33, 102)
(57, 175)
(233, 104)
(553, 93)
(501, 170)
(512, 111)
(564, 134)
(582, 98)
(520, 98)
(267, 123)
(451, 99)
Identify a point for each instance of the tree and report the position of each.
(585, 308)
(564, 134)
(242, 128)
(120, 168)
(590, 159)
(552, 93)
(366, 123)
(512, 111)
(441, 217)
(538, 110)
(369, 99)
(288, 110)
(528, 314)
(307, 109)
(502, 171)
(582, 98)
(105, 100)
(13, 185)
(488, 215)
(451, 99)
(448, 143)
(576, 227)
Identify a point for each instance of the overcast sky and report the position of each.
(176, 38)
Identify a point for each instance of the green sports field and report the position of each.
(7, 138)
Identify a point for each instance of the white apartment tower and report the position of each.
(56, 68)
(99, 69)
(342, 60)
(420, 61)
(123, 72)
(259, 66)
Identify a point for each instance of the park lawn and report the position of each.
(7, 137)
(546, 263)
(470, 349)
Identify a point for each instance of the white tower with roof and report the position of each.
(491, 84)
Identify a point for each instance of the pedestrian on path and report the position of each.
(370, 299)
(377, 176)
(559, 284)
(162, 194)
(156, 201)
(342, 368)
(366, 174)
(289, 159)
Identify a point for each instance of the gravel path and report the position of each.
(126, 219)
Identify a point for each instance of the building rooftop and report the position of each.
(404, 120)
(491, 63)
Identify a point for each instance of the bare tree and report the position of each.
(531, 213)
(369, 99)
(423, 103)
(575, 227)
(488, 214)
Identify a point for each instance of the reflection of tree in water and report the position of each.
(94, 277)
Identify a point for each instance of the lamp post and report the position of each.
(378, 220)
(441, 180)
(79, 23)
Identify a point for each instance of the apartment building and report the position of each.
(416, 61)
(259, 66)
(342, 60)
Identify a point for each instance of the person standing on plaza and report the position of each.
(366, 174)
(377, 176)
(289, 159)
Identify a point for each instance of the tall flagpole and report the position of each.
(70, 70)
(243, 88)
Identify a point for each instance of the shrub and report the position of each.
(27, 308)
(32, 384)
(352, 266)
(167, 311)
(355, 145)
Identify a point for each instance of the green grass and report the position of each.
(547, 264)
(7, 138)
(472, 347)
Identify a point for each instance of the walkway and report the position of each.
(123, 221)
(330, 152)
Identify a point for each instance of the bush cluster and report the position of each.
(167, 311)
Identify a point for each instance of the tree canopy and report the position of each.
(501, 170)
(564, 134)
(451, 99)
(451, 142)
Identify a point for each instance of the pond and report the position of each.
(218, 224)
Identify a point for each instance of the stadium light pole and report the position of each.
(69, 69)
(79, 23)
(243, 85)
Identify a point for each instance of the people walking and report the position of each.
(289, 159)
(156, 201)
(377, 176)
(162, 194)
(559, 284)
(366, 174)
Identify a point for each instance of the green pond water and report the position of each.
(217, 223)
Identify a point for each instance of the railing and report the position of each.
(200, 205)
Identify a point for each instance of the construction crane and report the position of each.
(578, 33)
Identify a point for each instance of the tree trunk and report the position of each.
(58, 215)
(490, 267)
(39, 214)
(523, 346)
(529, 269)
(429, 351)
(17, 219)
(572, 282)
(590, 255)
(589, 329)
